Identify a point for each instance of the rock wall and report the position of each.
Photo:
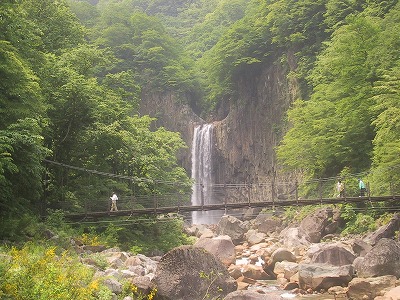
(246, 129)
(174, 115)
(247, 136)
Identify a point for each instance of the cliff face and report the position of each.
(247, 136)
(174, 116)
(246, 130)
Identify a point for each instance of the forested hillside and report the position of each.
(73, 74)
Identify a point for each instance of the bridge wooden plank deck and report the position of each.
(227, 206)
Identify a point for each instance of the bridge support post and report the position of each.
(368, 191)
(155, 203)
(132, 202)
(273, 192)
(320, 190)
(225, 204)
(391, 189)
(202, 195)
(249, 193)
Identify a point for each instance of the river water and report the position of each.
(272, 288)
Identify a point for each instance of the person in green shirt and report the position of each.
(361, 185)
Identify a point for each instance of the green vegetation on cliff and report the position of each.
(73, 74)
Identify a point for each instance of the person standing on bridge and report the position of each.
(340, 188)
(362, 187)
(114, 199)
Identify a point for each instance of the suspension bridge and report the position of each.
(225, 197)
(161, 204)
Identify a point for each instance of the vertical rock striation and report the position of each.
(246, 130)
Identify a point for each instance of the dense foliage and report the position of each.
(73, 101)
(341, 126)
(73, 73)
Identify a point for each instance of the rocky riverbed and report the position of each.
(259, 258)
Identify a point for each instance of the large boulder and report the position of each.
(199, 230)
(323, 276)
(333, 254)
(286, 268)
(382, 259)
(143, 283)
(360, 247)
(313, 226)
(113, 285)
(221, 246)
(254, 237)
(291, 238)
(254, 272)
(233, 227)
(282, 254)
(189, 272)
(386, 231)
(267, 223)
(369, 288)
(392, 294)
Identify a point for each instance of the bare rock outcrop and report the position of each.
(266, 223)
(221, 246)
(333, 254)
(369, 288)
(383, 259)
(324, 276)
(360, 247)
(282, 254)
(291, 238)
(392, 294)
(233, 227)
(386, 231)
(313, 226)
(189, 272)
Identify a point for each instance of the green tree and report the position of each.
(58, 26)
(20, 93)
(334, 127)
(386, 96)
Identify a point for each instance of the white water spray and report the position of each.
(202, 193)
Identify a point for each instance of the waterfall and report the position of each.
(202, 192)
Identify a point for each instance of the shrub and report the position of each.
(36, 272)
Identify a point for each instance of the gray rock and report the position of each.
(221, 246)
(291, 238)
(287, 268)
(386, 231)
(113, 285)
(255, 238)
(313, 226)
(282, 254)
(360, 247)
(189, 272)
(322, 276)
(266, 223)
(250, 213)
(233, 227)
(383, 259)
(333, 254)
(369, 288)
(143, 283)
